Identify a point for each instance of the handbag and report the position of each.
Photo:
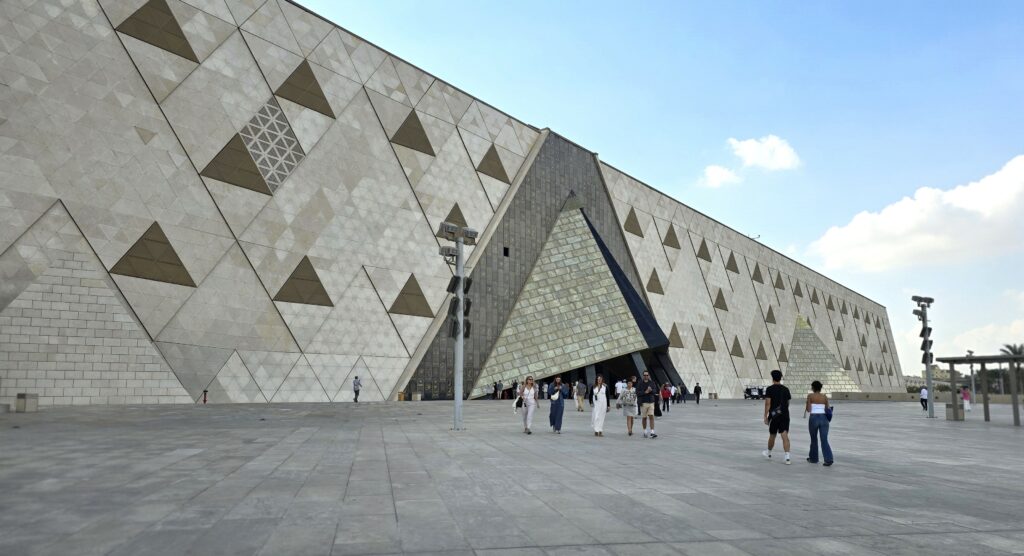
(554, 397)
(828, 413)
(519, 402)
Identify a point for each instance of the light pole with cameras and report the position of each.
(926, 346)
(459, 308)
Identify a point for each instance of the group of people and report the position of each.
(964, 393)
(641, 398)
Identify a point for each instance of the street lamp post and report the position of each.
(926, 346)
(973, 391)
(459, 308)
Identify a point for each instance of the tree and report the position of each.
(1013, 349)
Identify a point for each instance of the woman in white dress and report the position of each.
(627, 401)
(528, 391)
(599, 395)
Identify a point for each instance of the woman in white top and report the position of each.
(817, 404)
(528, 391)
(599, 395)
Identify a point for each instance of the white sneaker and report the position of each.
(645, 434)
(766, 454)
(787, 462)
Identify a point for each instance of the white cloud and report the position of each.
(769, 152)
(986, 340)
(1016, 296)
(971, 221)
(717, 176)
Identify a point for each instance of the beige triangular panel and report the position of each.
(797, 291)
(392, 114)
(307, 28)
(230, 309)
(591, 322)
(783, 358)
(809, 360)
(234, 165)
(234, 384)
(370, 391)
(268, 368)
(491, 165)
(885, 347)
(359, 324)
(846, 364)
(770, 316)
(829, 304)
(731, 265)
(878, 323)
(860, 365)
(495, 189)
(275, 62)
(654, 283)
(720, 301)
(856, 313)
(455, 216)
(736, 350)
(863, 341)
(154, 302)
(304, 321)
(412, 135)
(871, 368)
(155, 24)
(843, 309)
(411, 329)
(333, 370)
(839, 334)
(674, 339)
(632, 224)
(386, 371)
(671, 240)
(814, 297)
(153, 257)
(708, 343)
(411, 301)
(195, 366)
(301, 385)
(161, 70)
(302, 88)
(205, 31)
(779, 284)
(761, 355)
(703, 252)
(304, 286)
(414, 163)
(269, 23)
(238, 205)
(756, 275)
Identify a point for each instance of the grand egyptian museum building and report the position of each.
(240, 198)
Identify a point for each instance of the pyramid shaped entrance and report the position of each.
(573, 311)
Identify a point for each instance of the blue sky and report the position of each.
(875, 100)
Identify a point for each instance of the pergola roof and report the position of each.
(968, 359)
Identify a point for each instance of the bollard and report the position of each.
(204, 397)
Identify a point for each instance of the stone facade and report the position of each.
(246, 195)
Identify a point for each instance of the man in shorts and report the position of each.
(647, 394)
(776, 414)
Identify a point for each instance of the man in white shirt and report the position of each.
(672, 393)
(619, 387)
(924, 399)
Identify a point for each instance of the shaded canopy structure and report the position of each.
(1014, 363)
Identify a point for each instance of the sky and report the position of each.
(879, 143)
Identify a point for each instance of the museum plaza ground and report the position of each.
(392, 478)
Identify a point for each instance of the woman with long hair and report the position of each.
(599, 395)
(528, 392)
(627, 402)
(818, 406)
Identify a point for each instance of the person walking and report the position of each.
(647, 395)
(619, 387)
(682, 393)
(696, 392)
(818, 407)
(599, 397)
(776, 414)
(357, 385)
(627, 401)
(675, 394)
(501, 390)
(581, 394)
(528, 392)
(666, 393)
(515, 388)
(924, 399)
(557, 393)
(965, 394)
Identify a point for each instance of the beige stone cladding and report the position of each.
(66, 333)
(742, 300)
(569, 314)
(810, 360)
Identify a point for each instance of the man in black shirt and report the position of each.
(646, 396)
(776, 414)
(696, 393)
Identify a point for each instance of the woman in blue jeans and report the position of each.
(817, 404)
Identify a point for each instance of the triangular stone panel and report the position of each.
(411, 301)
(708, 342)
(703, 252)
(301, 385)
(814, 297)
(779, 284)
(304, 286)
(797, 291)
(761, 355)
(671, 240)
(302, 88)
(783, 358)
(632, 224)
(736, 350)
(731, 265)
(490, 165)
(756, 275)
(654, 283)
(720, 303)
(155, 24)
(234, 384)
(412, 135)
(674, 339)
(153, 257)
(234, 165)
(770, 316)
(810, 359)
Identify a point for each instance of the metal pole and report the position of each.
(460, 334)
(974, 392)
(932, 394)
(952, 392)
(984, 390)
(1013, 394)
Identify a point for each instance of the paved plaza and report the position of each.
(392, 478)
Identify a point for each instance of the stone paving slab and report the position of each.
(391, 478)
